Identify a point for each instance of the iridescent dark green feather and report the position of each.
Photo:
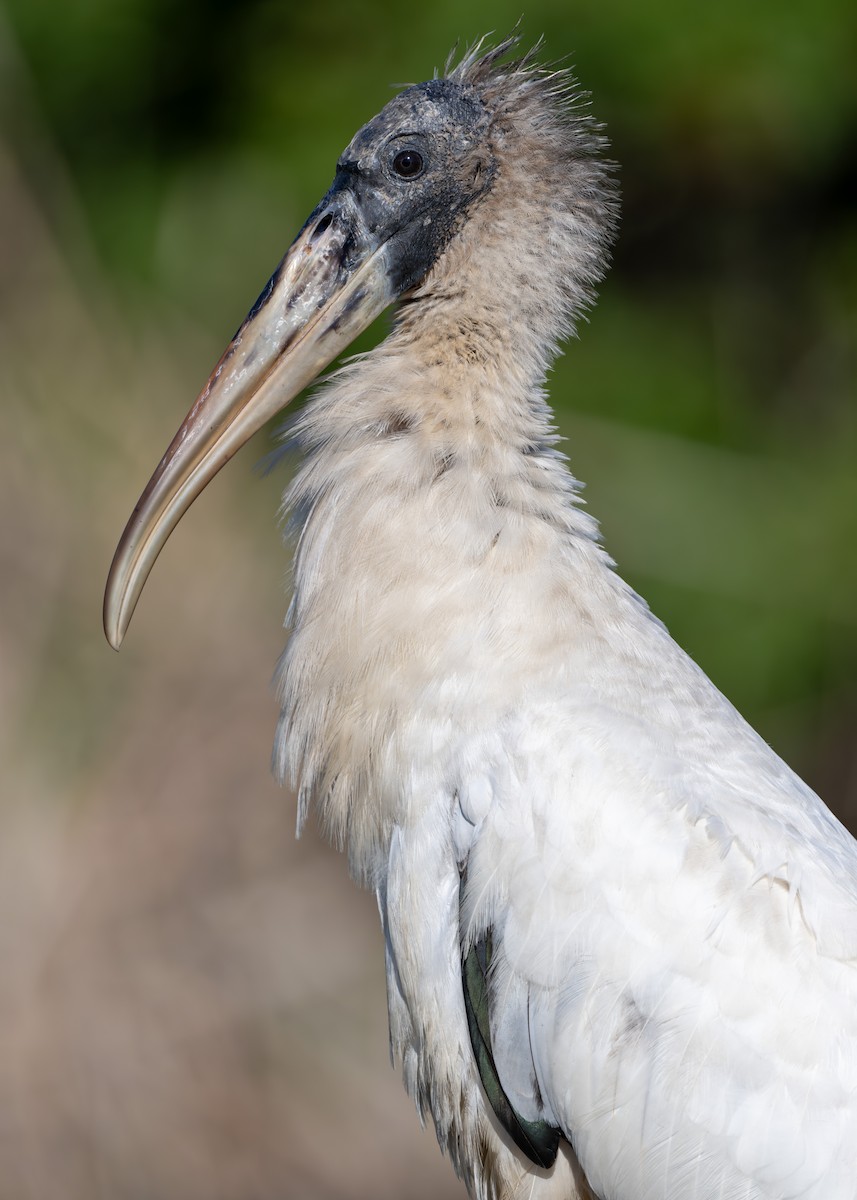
(538, 1140)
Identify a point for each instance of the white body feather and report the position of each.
(469, 684)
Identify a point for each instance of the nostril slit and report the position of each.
(325, 223)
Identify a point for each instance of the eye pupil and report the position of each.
(408, 164)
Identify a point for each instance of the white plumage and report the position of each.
(510, 746)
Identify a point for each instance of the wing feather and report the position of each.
(674, 964)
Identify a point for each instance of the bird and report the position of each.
(620, 933)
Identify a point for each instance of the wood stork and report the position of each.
(621, 935)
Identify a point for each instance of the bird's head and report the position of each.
(506, 142)
(409, 178)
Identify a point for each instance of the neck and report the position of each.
(449, 409)
(431, 491)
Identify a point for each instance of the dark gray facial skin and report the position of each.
(415, 217)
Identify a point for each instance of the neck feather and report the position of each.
(431, 507)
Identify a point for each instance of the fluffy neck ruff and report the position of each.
(525, 262)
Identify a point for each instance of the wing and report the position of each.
(419, 901)
(538, 1139)
(672, 979)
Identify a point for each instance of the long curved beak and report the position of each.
(331, 284)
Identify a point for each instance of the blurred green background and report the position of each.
(191, 1005)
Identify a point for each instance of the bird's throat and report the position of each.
(433, 510)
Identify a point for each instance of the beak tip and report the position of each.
(114, 629)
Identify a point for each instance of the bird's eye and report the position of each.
(408, 164)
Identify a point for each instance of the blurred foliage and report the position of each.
(157, 158)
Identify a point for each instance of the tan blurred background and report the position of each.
(191, 1003)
